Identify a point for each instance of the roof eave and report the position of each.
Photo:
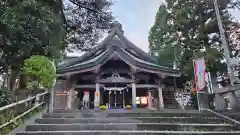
(97, 63)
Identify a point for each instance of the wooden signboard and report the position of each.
(60, 94)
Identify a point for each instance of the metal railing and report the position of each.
(12, 113)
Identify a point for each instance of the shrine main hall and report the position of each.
(115, 73)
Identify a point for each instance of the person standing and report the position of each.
(86, 100)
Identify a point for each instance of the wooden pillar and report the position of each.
(69, 92)
(161, 104)
(134, 105)
(75, 100)
(51, 102)
(160, 93)
(101, 97)
(149, 99)
(97, 96)
(123, 98)
(97, 93)
(70, 99)
(133, 71)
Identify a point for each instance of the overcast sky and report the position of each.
(137, 17)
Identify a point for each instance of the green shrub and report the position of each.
(40, 72)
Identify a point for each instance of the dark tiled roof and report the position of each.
(114, 43)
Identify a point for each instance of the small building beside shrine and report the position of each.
(115, 73)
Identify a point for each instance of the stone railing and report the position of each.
(12, 115)
(224, 117)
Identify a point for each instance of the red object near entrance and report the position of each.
(86, 92)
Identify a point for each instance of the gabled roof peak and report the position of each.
(117, 27)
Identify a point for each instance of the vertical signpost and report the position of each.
(199, 72)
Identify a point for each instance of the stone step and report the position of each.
(161, 114)
(131, 126)
(172, 106)
(66, 111)
(119, 132)
(139, 110)
(169, 100)
(143, 110)
(130, 120)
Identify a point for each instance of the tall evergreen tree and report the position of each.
(190, 29)
(29, 27)
(48, 27)
(86, 22)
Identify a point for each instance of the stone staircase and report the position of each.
(131, 122)
(169, 100)
(60, 102)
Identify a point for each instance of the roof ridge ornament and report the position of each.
(117, 26)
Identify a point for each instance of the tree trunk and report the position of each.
(4, 77)
(70, 99)
(11, 80)
(22, 81)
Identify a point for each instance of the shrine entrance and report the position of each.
(116, 90)
(116, 97)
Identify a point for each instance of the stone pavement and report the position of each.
(130, 122)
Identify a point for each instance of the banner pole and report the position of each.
(197, 89)
(198, 102)
(196, 85)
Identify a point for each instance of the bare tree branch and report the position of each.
(82, 6)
